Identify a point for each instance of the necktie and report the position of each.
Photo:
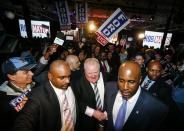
(146, 84)
(67, 111)
(104, 66)
(121, 116)
(97, 97)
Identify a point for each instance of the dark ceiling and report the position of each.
(144, 14)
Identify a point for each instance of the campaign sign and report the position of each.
(81, 12)
(100, 39)
(113, 25)
(168, 39)
(40, 28)
(18, 102)
(63, 13)
(22, 27)
(153, 39)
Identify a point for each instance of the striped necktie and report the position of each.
(67, 111)
(97, 96)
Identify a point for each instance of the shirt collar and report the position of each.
(134, 97)
(18, 89)
(57, 90)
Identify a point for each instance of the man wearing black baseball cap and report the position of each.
(13, 92)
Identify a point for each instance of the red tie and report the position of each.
(104, 66)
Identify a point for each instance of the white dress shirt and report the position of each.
(71, 101)
(130, 104)
(145, 81)
(100, 84)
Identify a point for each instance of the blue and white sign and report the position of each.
(63, 13)
(81, 12)
(18, 102)
(22, 27)
(168, 39)
(154, 39)
(114, 24)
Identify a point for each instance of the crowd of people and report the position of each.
(90, 87)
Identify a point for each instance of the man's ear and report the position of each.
(140, 80)
(11, 77)
(49, 76)
(146, 69)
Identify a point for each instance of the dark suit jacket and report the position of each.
(161, 90)
(41, 112)
(147, 114)
(86, 97)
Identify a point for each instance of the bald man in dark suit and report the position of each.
(144, 112)
(45, 110)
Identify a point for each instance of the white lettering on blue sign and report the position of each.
(114, 24)
(81, 12)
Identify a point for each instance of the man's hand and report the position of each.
(51, 49)
(100, 116)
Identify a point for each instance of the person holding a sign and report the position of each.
(13, 92)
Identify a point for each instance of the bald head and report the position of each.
(131, 66)
(129, 76)
(58, 65)
(73, 62)
(59, 74)
(154, 69)
(154, 62)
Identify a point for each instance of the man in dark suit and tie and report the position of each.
(129, 107)
(157, 85)
(91, 96)
(52, 106)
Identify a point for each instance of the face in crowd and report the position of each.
(129, 77)
(59, 74)
(139, 59)
(154, 70)
(92, 70)
(76, 63)
(21, 78)
(73, 62)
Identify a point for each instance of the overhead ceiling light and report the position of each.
(9, 15)
(141, 35)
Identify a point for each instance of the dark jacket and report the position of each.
(41, 112)
(148, 113)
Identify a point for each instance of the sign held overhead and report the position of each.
(113, 25)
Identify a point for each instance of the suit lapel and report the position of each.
(111, 104)
(52, 97)
(89, 89)
(134, 115)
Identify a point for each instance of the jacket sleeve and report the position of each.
(28, 116)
